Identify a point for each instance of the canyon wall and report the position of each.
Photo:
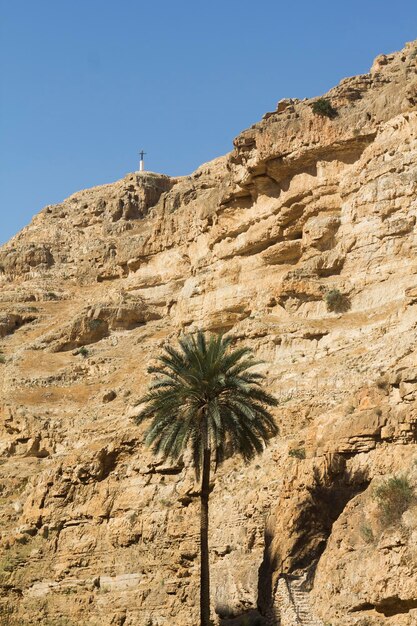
(302, 244)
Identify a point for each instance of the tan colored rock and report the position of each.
(96, 531)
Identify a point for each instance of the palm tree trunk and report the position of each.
(204, 551)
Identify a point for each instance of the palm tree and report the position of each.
(203, 397)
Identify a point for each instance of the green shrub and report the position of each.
(336, 302)
(297, 453)
(394, 496)
(83, 351)
(323, 107)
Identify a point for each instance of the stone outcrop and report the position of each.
(301, 243)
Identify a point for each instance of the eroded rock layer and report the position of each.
(301, 243)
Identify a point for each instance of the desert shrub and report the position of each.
(13, 559)
(297, 453)
(7, 615)
(382, 383)
(96, 323)
(323, 107)
(83, 351)
(2, 358)
(51, 295)
(10, 563)
(394, 496)
(336, 302)
(367, 533)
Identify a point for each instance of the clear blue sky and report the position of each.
(85, 84)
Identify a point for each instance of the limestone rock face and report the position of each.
(302, 244)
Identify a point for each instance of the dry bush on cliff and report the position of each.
(323, 107)
(394, 496)
(336, 302)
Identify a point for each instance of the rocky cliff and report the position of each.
(302, 243)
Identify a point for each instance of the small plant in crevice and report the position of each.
(367, 533)
(10, 563)
(83, 352)
(297, 453)
(51, 295)
(96, 323)
(394, 496)
(336, 301)
(382, 383)
(324, 108)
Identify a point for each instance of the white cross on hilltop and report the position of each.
(142, 161)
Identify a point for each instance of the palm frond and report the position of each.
(204, 393)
